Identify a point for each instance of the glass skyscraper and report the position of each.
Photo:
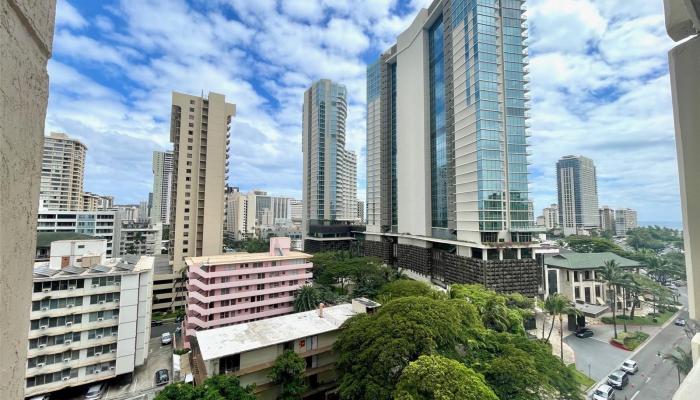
(447, 135)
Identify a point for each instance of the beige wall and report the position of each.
(26, 35)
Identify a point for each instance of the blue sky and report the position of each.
(599, 72)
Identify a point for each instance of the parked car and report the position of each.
(679, 322)
(629, 366)
(96, 391)
(166, 338)
(618, 379)
(41, 397)
(162, 377)
(179, 319)
(584, 333)
(604, 392)
(156, 322)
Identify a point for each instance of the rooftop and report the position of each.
(236, 339)
(234, 258)
(587, 260)
(115, 266)
(44, 239)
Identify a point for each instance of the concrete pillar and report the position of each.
(684, 64)
(484, 254)
(500, 254)
(26, 35)
(519, 256)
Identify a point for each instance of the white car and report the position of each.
(166, 338)
(95, 392)
(604, 392)
(629, 366)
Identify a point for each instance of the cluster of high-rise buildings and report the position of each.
(577, 212)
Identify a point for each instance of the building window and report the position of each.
(577, 293)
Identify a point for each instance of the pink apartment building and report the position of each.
(242, 287)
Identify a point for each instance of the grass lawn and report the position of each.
(160, 316)
(646, 320)
(581, 378)
(630, 340)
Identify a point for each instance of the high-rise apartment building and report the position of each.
(26, 37)
(551, 216)
(360, 211)
(625, 219)
(249, 214)
(96, 202)
(330, 176)
(296, 210)
(199, 131)
(162, 175)
(578, 194)
(62, 173)
(447, 146)
(90, 317)
(607, 219)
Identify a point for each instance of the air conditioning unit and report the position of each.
(113, 351)
(97, 354)
(100, 319)
(43, 327)
(97, 371)
(111, 368)
(117, 283)
(41, 346)
(101, 302)
(99, 336)
(95, 285)
(70, 305)
(39, 365)
(115, 316)
(44, 309)
(114, 333)
(66, 360)
(71, 287)
(65, 378)
(46, 290)
(68, 341)
(69, 323)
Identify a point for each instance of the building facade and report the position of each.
(244, 351)
(89, 321)
(100, 224)
(96, 202)
(625, 220)
(607, 219)
(242, 287)
(360, 211)
(447, 186)
(296, 211)
(199, 131)
(162, 167)
(62, 173)
(577, 188)
(140, 238)
(551, 216)
(329, 175)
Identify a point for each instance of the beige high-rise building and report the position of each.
(96, 202)
(199, 130)
(62, 173)
(162, 178)
(26, 36)
(607, 219)
(551, 216)
(625, 220)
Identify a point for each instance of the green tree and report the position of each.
(218, 387)
(682, 360)
(558, 305)
(256, 246)
(405, 288)
(288, 372)
(587, 244)
(306, 298)
(613, 276)
(434, 377)
(523, 385)
(374, 349)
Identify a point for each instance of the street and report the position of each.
(595, 357)
(142, 385)
(156, 331)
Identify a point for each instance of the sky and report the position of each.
(599, 84)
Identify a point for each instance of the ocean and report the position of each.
(667, 224)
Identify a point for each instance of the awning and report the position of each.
(591, 310)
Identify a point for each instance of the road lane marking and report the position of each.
(648, 379)
(635, 395)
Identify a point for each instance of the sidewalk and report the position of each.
(569, 356)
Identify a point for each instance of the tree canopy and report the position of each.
(218, 387)
(405, 288)
(306, 298)
(587, 244)
(440, 378)
(288, 372)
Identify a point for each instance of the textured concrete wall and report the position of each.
(26, 35)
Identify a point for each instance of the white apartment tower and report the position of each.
(551, 216)
(577, 188)
(330, 171)
(199, 130)
(607, 219)
(162, 176)
(62, 173)
(625, 219)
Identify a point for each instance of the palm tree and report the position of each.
(613, 276)
(682, 360)
(557, 304)
(306, 299)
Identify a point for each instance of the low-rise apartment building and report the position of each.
(575, 276)
(242, 287)
(90, 317)
(101, 224)
(249, 350)
(140, 238)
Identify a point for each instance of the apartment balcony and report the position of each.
(82, 344)
(68, 382)
(239, 306)
(85, 308)
(248, 282)
(246, 271)
(248, 293)
(81, 362)
(195, 322)
(86, 291)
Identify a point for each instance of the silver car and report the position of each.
(603, 392)
(629, 366)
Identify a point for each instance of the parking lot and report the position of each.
(159, 357)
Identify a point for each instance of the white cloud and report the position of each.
(68, 16)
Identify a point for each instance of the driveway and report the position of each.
(159, 357)
(595, 354)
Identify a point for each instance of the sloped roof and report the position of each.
(587, 260)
